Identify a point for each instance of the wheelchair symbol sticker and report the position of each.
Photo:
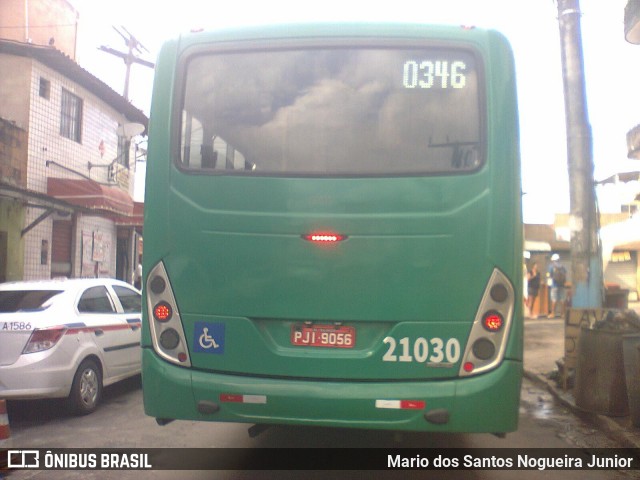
(208, 338)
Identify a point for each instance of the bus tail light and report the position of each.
(490, 332)
(162, 312)
(324, 237)
(492, 321)
(165, 324)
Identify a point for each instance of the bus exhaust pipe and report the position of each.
(164, 421)
(257, 429)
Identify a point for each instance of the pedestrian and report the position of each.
(533, 286)
(556, 279)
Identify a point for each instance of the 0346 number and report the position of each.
(422, 350)
(431, 74)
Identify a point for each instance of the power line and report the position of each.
(129, 58)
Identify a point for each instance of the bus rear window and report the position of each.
(337, 111)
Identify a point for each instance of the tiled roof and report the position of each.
(63, 64)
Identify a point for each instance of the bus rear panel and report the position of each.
(333, 229)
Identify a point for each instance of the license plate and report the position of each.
(330, 336)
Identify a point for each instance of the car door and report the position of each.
(129, 304)
(106, 328)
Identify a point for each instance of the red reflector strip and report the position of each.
(229, 398)
(324, 237)
(401, 404)
(235, 398)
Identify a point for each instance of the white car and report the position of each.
(68, 338)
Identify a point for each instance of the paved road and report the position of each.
(120, 422)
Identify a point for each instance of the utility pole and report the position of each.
(129, 57)
(586, 254)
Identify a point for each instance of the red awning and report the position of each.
(91, 194)
(135, 220)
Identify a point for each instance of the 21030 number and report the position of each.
(423, 350)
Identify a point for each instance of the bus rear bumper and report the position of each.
(486, 403)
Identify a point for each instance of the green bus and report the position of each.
(333, 229)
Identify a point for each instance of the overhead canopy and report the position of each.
(90, 194)
(622, 177)
(134, 220)
(623, 235)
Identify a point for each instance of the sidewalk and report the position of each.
(543, 346)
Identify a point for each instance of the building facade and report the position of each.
(67, 164)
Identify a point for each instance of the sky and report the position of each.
(612, 69)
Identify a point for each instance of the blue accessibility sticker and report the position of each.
(208, 337)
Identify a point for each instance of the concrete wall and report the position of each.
(15, 83)
(13, 154)
(98, 258)
(59, 16)
(11, 245)
(99, 126)
(46, 145)
(53, 155)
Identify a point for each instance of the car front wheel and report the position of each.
(86, 390)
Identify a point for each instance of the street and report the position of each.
(120, 422)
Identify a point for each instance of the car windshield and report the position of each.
(25, 300)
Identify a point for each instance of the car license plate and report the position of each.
(331, 336)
